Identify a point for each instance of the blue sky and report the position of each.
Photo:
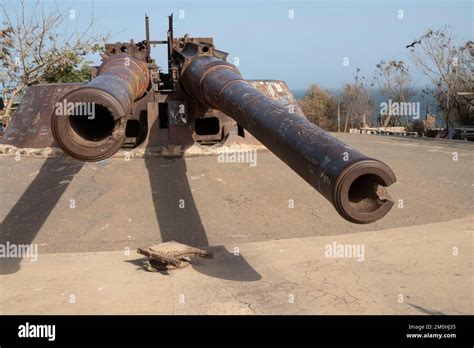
(309, 48)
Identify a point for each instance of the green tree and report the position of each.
(35, 47)
(72, 67)
(320, 108)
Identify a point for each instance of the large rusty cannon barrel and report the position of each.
(89, 122)
(352, 182)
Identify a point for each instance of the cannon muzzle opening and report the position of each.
(96, 129)
(360, 194)
(91, 126)
(89, 123)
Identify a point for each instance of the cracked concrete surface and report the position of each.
(423, 269)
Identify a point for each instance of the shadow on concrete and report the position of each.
(179, 218)
(139, 263)
(175, 209)
(225, 265)
(426, 311)
(173, 201)
(30, 212)
(136, 262)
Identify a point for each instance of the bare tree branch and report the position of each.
(34, 38)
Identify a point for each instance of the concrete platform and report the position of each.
(410, 270)
(84, 217)
(68, 206)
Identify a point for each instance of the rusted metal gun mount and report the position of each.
(138, 104)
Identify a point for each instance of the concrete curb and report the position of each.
(412, 270)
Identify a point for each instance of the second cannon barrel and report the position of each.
(354, 183)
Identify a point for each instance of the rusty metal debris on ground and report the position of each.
(170, 255)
